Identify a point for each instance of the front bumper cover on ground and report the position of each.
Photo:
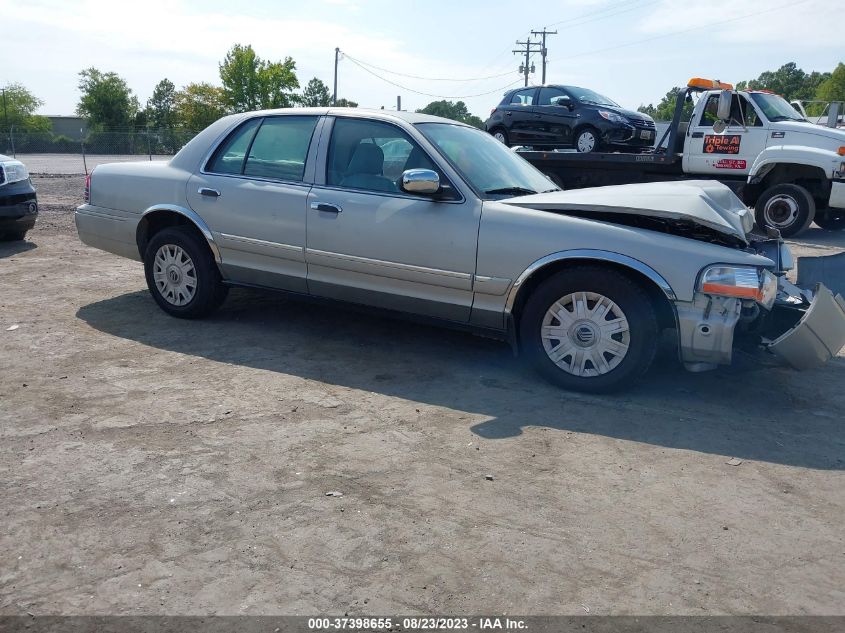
(819, 334)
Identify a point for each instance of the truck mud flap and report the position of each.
(817, 336)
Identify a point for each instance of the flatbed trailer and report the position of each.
(792, 173)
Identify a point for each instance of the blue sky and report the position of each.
(631, 50)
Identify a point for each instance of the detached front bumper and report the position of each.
(819, 334)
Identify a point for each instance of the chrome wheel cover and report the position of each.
(174, 274)
(781, 211)
(586, 142)
(585, 334)
(499, 136)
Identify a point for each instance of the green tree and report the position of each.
(788, 81)
(316, 94)
(17, 110)
(665, 110)
(833, 88)
(198, 105)
(251, 83)
(106, 101)
(455, 110)
(346, 103)
(161, 107)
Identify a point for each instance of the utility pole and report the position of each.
(399, 103)
(544, 51)
(334, 94)
(526, 67)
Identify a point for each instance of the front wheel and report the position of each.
(590, 329)
(789, 208)
(587, 140)
(831, 219)
(181, 274)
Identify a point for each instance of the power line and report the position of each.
(428, 94)
(393, 72)
(578, 20)
(694, 28)
(526, 67)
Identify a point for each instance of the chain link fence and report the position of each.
(99, 145)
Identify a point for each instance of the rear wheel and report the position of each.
(587, 140)
(181, 274)
(12, 236)
(589, 329)
(501, 135)
(831, 219)
(789, 208)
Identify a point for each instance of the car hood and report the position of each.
(806, 127)
(634, 116)
(704, 203)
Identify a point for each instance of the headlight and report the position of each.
(742, 282)
(612, 117)
(12, 171)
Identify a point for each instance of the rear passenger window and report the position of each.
(280, 148)
(229, 157)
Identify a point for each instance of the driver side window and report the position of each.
(372, 156)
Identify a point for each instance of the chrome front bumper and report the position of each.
(818, 336)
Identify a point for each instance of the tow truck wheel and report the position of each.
(831, 219)
(501, 135)
(12, 236)
(789, 208)
(589, 328)
(587, 140)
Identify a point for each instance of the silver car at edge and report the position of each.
(429, 217)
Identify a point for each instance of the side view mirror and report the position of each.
(566, 102)
(421, 181)
(723, 112)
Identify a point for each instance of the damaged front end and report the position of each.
(760, 309)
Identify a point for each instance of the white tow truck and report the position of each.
(790, 170)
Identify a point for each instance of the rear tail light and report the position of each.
(87, 195)
(493, 111)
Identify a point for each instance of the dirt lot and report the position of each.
(151, 465)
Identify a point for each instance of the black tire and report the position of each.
(789, 208)
(831, 219)
(12, 236)
(209, 291)
(505, 139)
(634, 304)
(587, 133)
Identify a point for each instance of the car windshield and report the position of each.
(775, 107)
(585, 95)
(487, 165)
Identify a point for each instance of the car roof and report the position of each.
(371, 113)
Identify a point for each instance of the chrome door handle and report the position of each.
(211, 193)
(324, 206)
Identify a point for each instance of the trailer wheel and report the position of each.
(587, 140)
(501, 135)
(831, 219)
(789, 208)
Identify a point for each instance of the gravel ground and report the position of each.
(151, 465)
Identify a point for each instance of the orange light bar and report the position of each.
(708, 84)
(841, 151)
(732, 291)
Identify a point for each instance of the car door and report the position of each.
(731, 152)
(520, 118)
(369, 242)
(554, 116)
(253, 193)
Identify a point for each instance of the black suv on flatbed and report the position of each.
(568, 116)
